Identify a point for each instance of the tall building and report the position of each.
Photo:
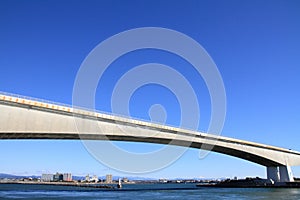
(67, 177)
(108, 178)
(57, 177)
(47, 177)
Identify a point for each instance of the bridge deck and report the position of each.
(6, 98)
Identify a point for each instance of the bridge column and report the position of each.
(280, 173)
(273, 173)
(286, 174)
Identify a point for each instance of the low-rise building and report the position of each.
(94, 179)
(87, 178)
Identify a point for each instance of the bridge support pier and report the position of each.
(280, 173)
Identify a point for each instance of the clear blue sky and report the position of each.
(255, 45)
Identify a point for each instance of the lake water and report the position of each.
(143, 191)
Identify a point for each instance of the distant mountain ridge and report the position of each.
(11, 176)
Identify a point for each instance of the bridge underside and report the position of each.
(75, 136)
(275, 172)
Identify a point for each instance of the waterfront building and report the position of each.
(108, 178)
(67, 177)
(94, 179)
(47, 177)
(162, 180)
(57, 177)
(87, 178)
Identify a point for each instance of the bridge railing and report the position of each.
(33, 99)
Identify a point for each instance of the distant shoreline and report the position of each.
(113, 186)
(74, 184)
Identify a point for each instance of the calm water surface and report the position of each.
(143, 191)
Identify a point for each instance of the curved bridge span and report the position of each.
(22, 118)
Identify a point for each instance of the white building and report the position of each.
(47, 177)
(87, 178)
(94, 179)
(67, 177)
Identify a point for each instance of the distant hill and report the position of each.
(7, 176)
(131, 178)
(11, 176)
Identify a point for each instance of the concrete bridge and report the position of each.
(27, 118)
